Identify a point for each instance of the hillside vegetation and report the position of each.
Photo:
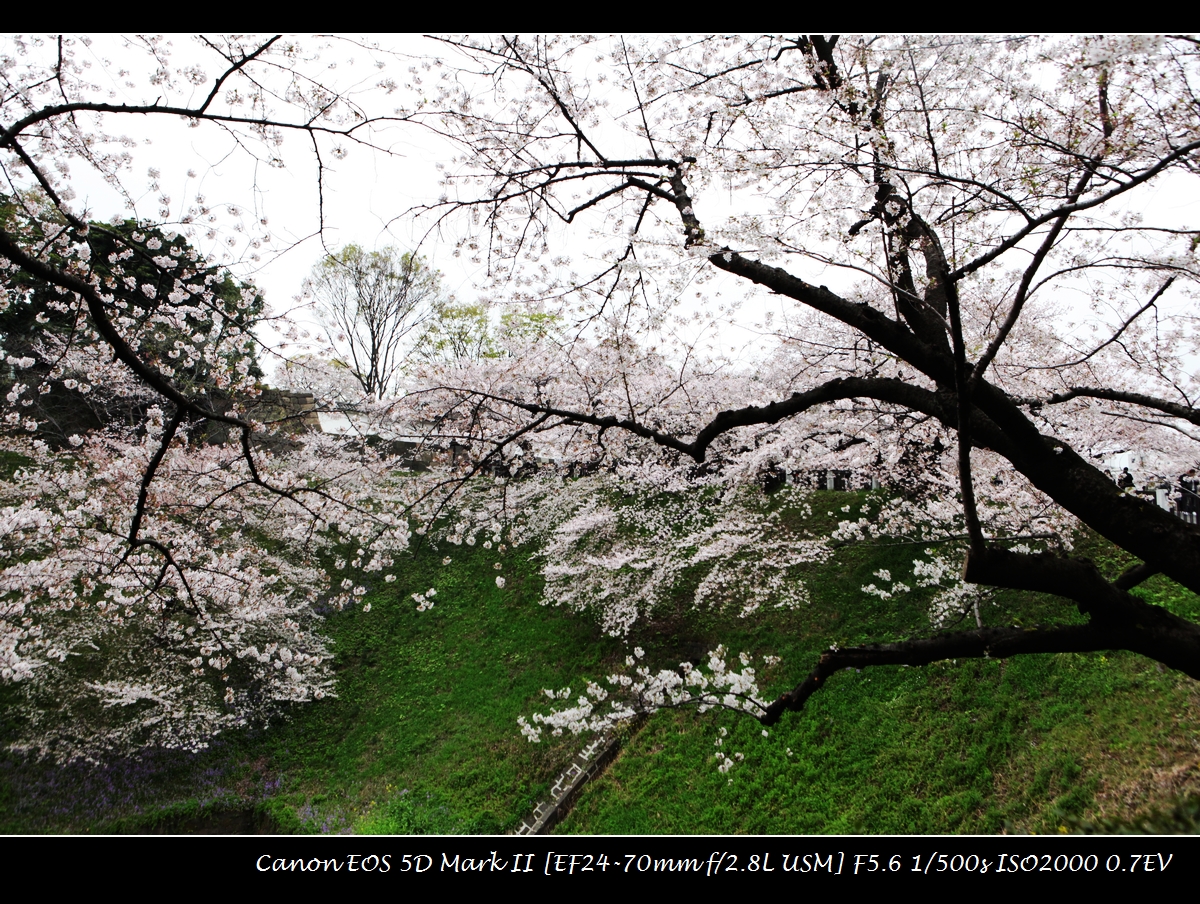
(422, 737)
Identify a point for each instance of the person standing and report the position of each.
(1189, 486)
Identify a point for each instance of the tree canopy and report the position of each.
(1001, 291)
(373, 305)
(956, 257)
(155, 589)
(124, 256)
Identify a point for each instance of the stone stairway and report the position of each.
(587, 764)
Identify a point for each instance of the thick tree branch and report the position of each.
(1147, 531)
(891, 334)
(887, 390)
(1117, 621)
(1174, 409)
(46, 113)
(1143, 628)
(164, 443)
(982, 643)
(1134, 575)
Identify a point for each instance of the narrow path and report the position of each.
(587, 764)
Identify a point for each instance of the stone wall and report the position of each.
(297, 409)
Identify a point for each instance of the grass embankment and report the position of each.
(422, 737)
(1035, 743)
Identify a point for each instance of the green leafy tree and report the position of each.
(372, 304)
(457, 332)
(519, 327)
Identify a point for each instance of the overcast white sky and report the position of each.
(365, 197)
(366, 194)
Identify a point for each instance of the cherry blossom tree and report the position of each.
(973, 288)
(967, 254)
(158, 586)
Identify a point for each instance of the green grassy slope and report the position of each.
(1035, 743)
(423, 738)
